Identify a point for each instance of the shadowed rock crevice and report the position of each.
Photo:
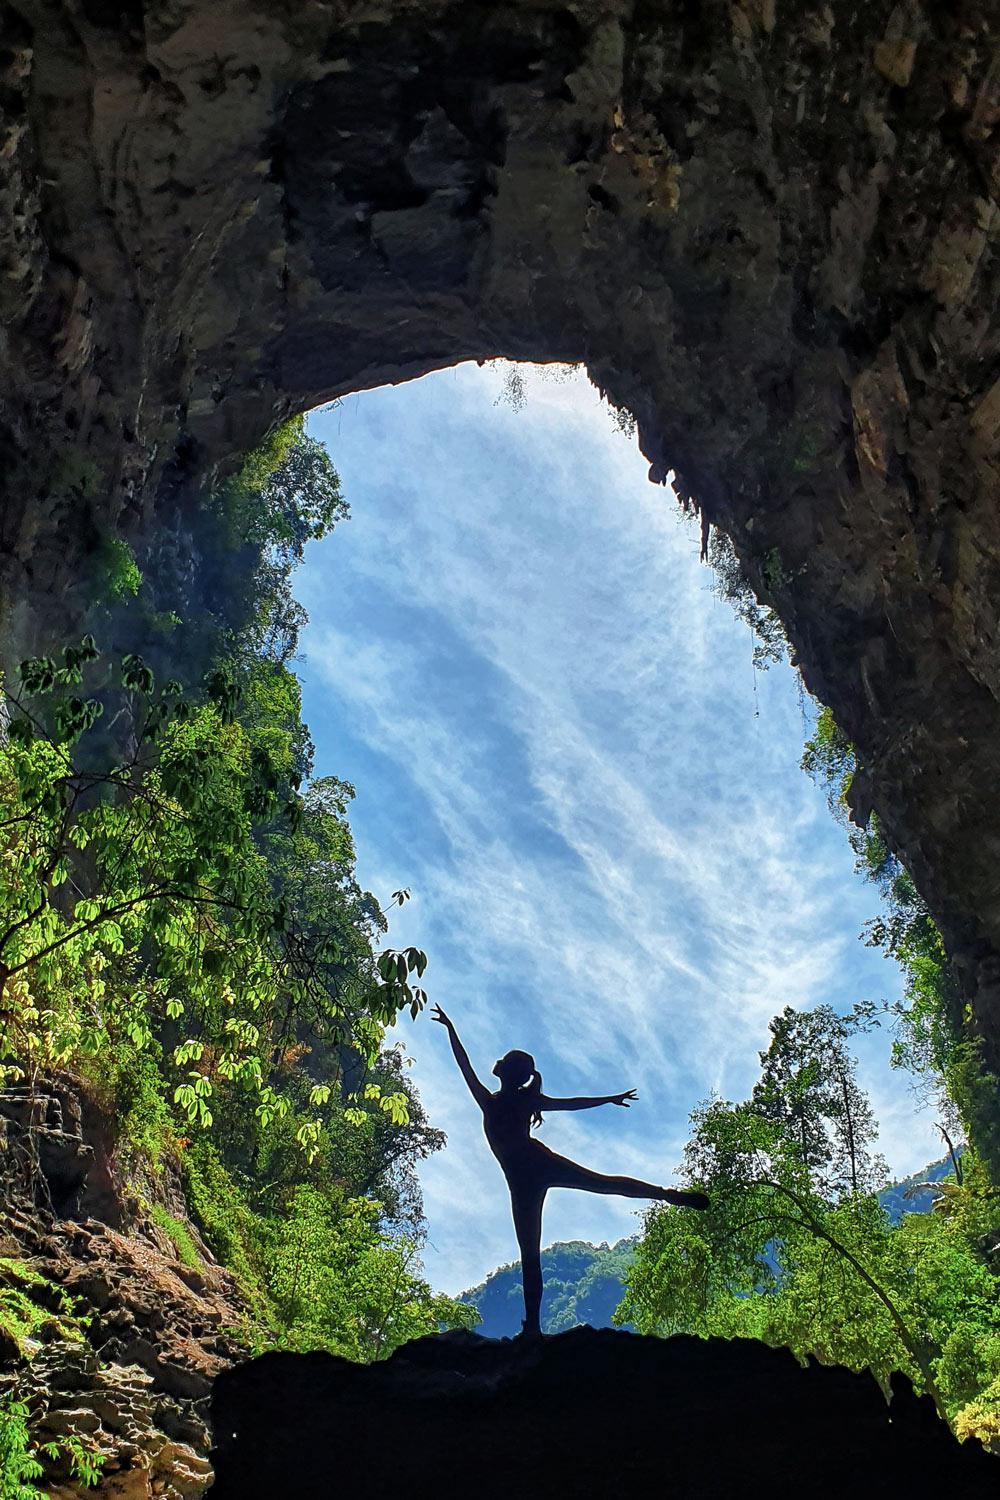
(584, 1413)
(772, 233)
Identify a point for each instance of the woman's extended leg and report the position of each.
(527, 1208)
(566, 1173)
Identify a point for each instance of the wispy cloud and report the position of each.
(515, 653)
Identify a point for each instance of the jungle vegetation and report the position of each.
(797, 1249)
(182, 930)
(800, 1247)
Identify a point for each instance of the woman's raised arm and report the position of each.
(583, 1101)
(477, 1088)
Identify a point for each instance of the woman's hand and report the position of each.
(437, 1014)
(623, 1099)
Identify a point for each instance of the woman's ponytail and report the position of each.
(533, 1088)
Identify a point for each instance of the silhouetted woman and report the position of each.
(531, 1168)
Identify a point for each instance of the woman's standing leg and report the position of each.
(527, 1208)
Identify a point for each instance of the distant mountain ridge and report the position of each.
(894, 1200)
(583, 1282)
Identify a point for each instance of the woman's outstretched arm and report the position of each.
(477, 1089)
(585, 1102)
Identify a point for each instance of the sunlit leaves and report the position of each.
(341, 1282)
(396, 969)
(308, 1136)
(191, 1099)
(396, 1106)
(193, 860)
(780, 1257)
(189, 1051)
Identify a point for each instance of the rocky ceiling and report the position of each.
(769, 228)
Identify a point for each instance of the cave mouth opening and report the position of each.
(562, 746)
(760, 237)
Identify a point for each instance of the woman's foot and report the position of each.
(685, 1199)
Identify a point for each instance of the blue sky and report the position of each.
(515, 655)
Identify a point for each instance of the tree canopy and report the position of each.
(797, 1250)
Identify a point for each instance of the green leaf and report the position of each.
(135, 675)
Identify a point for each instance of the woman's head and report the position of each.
(516, 1070)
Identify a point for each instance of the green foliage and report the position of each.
(583, 1284)
(796, 1254)
(21, 1457)
(828, 758)
(86, 1464)
(130, 1080)
(259, 466)
(287, 493)
(321, 1269)
(32, 1307)
(223, 1215)
(19, 1464)
(144, 882)
(340, 1282)
(179, 1234)
(180, 925)
(808, 1086)
(121, 578)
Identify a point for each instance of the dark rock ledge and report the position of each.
(587, 1413)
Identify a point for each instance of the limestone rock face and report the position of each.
(151, 1444)
(132, 1381)
(770, 231)
(585, 1413)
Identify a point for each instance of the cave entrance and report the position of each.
(560, 744)
(773, 238)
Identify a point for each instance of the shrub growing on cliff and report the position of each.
(934, 1035)
(19, 1464)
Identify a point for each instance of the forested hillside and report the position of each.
(583, 1284)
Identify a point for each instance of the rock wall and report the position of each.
(585, 1413)
(770, 230)
(130, 1369)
